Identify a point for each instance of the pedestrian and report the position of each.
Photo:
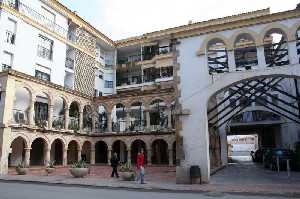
(114, 162)
(140, 166)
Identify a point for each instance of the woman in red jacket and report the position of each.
(140, 166)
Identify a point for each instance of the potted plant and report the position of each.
(79, 169)
(50, 167)
(126, 172)
(22, 169)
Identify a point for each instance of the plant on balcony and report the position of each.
(41, 123)
(79, 169)
(22, 168)
(127, 172)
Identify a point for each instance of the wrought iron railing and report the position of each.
(217, 63)
(58, 122)
(73, 123)
(44, 52)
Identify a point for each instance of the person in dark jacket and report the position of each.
(114, 162)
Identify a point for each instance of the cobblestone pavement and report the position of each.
(236, 178)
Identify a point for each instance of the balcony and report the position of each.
(44, 52)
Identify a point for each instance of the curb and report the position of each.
(152, 189)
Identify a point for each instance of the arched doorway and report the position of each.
(118, 117)
(160, 152)
(136, 147)
(101, 152)
(41, 110)
(72, 152)
(38, 152)
(101, 122)
(120, 148)
(86, 152)
(17, 154)
(74, 116)
(56, 153)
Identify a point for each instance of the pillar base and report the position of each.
(183, 175)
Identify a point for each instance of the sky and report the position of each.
(119, 19)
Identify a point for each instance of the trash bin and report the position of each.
(195, 174)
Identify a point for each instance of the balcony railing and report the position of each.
(10, 37)
(20, 117)
(101, 127)
(119, 126)
(69, 63)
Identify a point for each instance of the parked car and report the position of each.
(270, 158)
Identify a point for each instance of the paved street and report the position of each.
(33, 191)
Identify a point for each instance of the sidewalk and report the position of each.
(276, 189)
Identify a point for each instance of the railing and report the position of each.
(69, 63)
(218, 63)
(73, 123)
(10, 37)
(164, 50)
(58, 122)
(44, 52)
(276, 54)
(137, 125)
(119, 126)
(20, 117)
(101, 127)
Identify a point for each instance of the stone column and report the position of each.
(27, 156)
(109, 151)
(79, 154)
(169, 118)
(50, 116)
(31, 113)
(293, 56)
(93, 122)
(129, 155)
(148, 119)
(66, 118)
(261, 59)
(171, 157)
(149, 162)
(109, 122)
(231, 60)
(65, 157)
(47, 156)
(93, 156)
(80, 121)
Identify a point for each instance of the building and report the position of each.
(177, 93)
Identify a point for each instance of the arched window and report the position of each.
(298, 43)
(21, 106)
(217, 56)
(137, 117)
(74, 116)
(158, 115)
(118, 117)
(101, 122)
(87, 118)
(276, 48)
(245, 52)
(58, 113)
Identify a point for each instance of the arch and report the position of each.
(120, 148)
(245, 51)
(102, 119)
(273, 26)
(17, 155)
(254, 35)
(21, 107)
(136, 147)
(293, 31)
(203, 48)
(39, 148)
(41, 109)
(101, 150)
(118, 118)
(86, 151)
(57, 150)
(72, 154)
(158, 114)
(87, 118)
(59, 107)
(137, 116)
(74, 111)
(160, 155)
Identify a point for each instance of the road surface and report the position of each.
(35, 191)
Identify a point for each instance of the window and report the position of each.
(108, 84)
(50, 18)
(7, 60)
(10, 35)
(42, 75)
(45, 47)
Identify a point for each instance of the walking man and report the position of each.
(114, 162)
